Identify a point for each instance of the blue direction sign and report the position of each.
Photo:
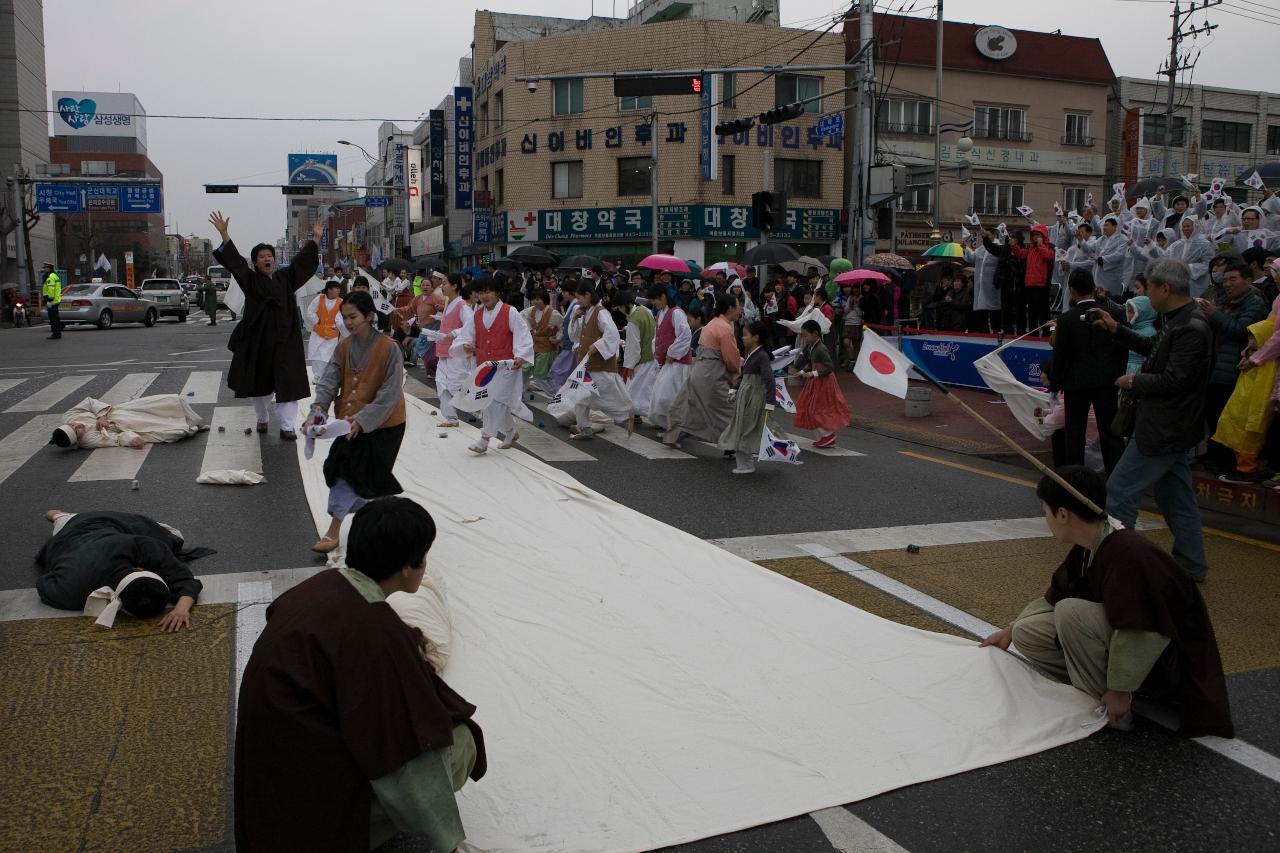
(377, 201)
(79, 196)
(830, 125)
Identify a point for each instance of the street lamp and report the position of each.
(366, 154)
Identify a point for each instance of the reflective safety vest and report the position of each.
(52, 291)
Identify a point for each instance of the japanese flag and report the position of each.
(1255, 181)
(775, 449)
(783, 396)
(881, 366)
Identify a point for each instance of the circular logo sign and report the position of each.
(995, 42)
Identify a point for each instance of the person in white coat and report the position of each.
(497, 333)
(599, 343)
(985, 315)
(1140, 232)
(1217, 219)
(1109, 254)
(673, 350)
(324, 322)
(1075, 252)
(452, 370)
(1252, 233)
(1194, 250)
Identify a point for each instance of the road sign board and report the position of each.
(377, 201)
(830, 125)
(79, 196)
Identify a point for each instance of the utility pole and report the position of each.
(937, 130)
(1175, 65)
(20, 238)
(861, 153)
(653, 175)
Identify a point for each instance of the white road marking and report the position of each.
(548, 447)
(251, 617)
(131, 362)
(205, 384)
(111, 463)
(194, 351)
(232, 449)
(849, 833)
(24, 442)
(636, 443)
(420, 389)
(131, 387)
(6, 384)
(50, 395)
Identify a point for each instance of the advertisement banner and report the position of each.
(1132, 144)
(706, 127)
(413, 173)
(950, 359)
(481, 226)
(428, 242)
(463, 137)
(438, 189)
(128, 270)
(313, 169)
(99, 114)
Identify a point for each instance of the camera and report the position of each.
(533, 86)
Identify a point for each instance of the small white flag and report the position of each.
(972, 219)
(882, 366)
(1057, 210)
(326, 429)
(1255, 181)
(1190, 180)
(1118, 188)
(965, 234)
(782, 358)
(103, 264)
(1088, 199)
(1025, 211)
(775, 449)
(1002, 230)
(783, 396)
(1217, 187)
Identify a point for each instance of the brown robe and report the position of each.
(335, 694)
(1142, 588)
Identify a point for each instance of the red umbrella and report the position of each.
(665, 263)
(726, 267)
(855, 276)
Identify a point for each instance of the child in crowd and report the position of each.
(752, 400)
(821, 404)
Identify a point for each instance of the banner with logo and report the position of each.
(413, 176)
(439, 191)
(463, 137)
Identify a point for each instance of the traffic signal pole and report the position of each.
(861, 153)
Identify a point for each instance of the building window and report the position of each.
(636, 102)
(498, 188)
(1001, 123)
(566, 179)
(790, 88)
(566, 97)
(497, 109)
(1001, 199)
(1226, 136)
(1153, 130)
(1077, 130)
(728, 84)
(482, 120)
(97, 167)
(1073, 198)
(896, 116)
(1273, 140)
(916, 200)
(633, 175)
(799, 178)
(728, 165)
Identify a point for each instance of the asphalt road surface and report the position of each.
(1148, 790)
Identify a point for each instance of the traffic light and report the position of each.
(738, 125)
(768, 210)
(289, 190)
(222, 188)
(786, 112)
(631, 87)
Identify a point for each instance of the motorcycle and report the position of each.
(20, 312)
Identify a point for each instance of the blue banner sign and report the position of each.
(78, 197)
(463, 138)
(950, 358)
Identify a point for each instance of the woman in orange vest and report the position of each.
(363, 383)
(324, 318)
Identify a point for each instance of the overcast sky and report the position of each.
(395, 59)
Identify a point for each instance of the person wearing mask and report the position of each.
(1168, 399)
(51, 290)
(1038, 258)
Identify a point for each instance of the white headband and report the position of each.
(104, 602)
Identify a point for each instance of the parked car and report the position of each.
(104, 305)
(169, 295)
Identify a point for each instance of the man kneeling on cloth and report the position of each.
(345, 735)
(1120, 617)
(104, 562)
(159, 419)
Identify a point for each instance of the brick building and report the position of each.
(1038, 102)
(567, 166)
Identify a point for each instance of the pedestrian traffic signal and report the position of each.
(786, 112)
(222, 188)
(288, 190)
(768, 210)
(738, 125)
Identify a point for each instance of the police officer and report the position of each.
(52, 293)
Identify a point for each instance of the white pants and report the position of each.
(496, 420)
(611, 397)
(451, 372)
(670, 381)
(286, 413)
(641, 386)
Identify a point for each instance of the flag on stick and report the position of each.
(775, 449)
(882, 366)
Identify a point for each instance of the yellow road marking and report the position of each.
(1018, 481)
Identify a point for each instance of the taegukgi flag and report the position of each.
(1255, 180)
(489, 381)
(783, 396)
(881, 366)
(775, 449)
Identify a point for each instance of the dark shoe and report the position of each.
(288, 435)
(262, 427)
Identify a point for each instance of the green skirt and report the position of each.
(542, 364)
(743, 433)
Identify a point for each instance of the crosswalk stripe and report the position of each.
(821, 451)
(6, 384)
(131, 387)
(203, 386)
(111, 463)
(231, 449)
(548, 448)
(51, 394)
(636, 443)
(24, 442)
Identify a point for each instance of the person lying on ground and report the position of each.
(1120, 617)
(102, 562)
(159, 419)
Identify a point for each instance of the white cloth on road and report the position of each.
(158, 419)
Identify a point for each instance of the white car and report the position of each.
(168, 295)
(104, 305)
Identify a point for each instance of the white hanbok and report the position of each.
(320, 350)
(672, 374)
(611, 395)
(158, 419)
(454, 369)
(498, 418)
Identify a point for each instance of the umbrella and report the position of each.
(473, 271)
(770, 253)
(803, 263)
(395, 265)
(933, 271)
(532, 255)
(945, 250)
(839, 265)
(826, 260)
(1149, 186)
(579, 262)
(889, 260)
(665, 263)
(431, 262)
(856, 276)
(726, 267)
(1269, 172)
(695, 268)
(506, 261)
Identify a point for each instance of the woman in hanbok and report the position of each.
(752, 401)
(363, 383)
(821, 404)
(324, 319)
(703, 409)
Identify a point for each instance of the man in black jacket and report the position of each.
(1087, 361)
(1169, 395)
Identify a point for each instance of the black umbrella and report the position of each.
(579, 262)
(827, 259)
(395, 265)
(769, 253)
(506, 262)
(533, 256)
(1269, 172)
(431, 262)
(1149, 187)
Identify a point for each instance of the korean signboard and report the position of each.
(78, 197)
(463, 136)
(413, 176)
(436, 166)
(99, 114)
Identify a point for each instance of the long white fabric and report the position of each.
(639, 687)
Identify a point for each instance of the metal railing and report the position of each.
(1076, 139)
(1002, 134)
(911, 128)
